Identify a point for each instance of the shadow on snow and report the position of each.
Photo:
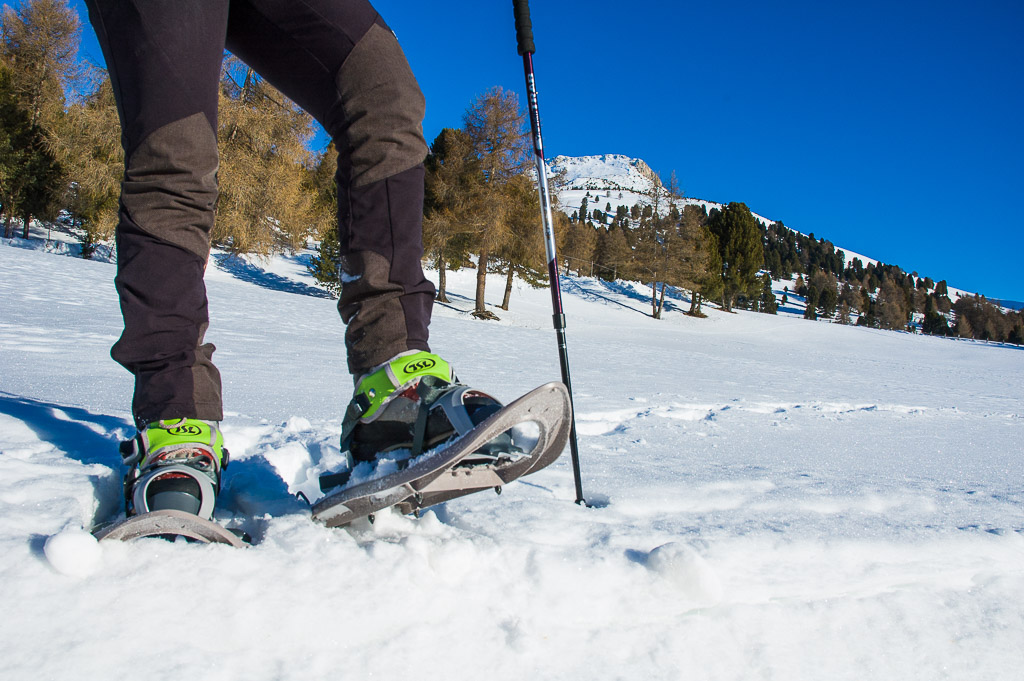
(249, 273)
(82, 435)
(612, 291)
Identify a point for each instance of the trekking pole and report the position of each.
(524, 37)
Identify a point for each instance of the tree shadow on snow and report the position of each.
(457, 302)
(600, 289)
(249, 273)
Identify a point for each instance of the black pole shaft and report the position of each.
(524, 38)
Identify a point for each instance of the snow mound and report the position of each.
(687, 571)
(73, 552)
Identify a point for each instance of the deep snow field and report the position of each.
(771, 498)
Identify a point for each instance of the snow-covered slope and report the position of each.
(608, 171)
(771, 498)
(610, 179)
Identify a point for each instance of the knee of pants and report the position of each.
(382, 108)
(170, 185)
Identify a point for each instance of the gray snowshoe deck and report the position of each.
(169, 523)
(442, 475)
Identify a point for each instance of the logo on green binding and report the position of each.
(186, 430)
(420, 365)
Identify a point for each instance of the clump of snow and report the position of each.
(687, 571)
(73, 552)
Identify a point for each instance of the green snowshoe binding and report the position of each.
(412, 404)
(175, 465)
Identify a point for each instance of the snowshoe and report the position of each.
(489, 445)
(171, 487)
(408, 405)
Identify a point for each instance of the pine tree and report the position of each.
(28, 170)
(693, 253)
(87, 141)
(768, 304)
(325, 266)
(848, 296)
(828, 293)
(621, 216)
(496, 125)
(40, 41)
(612, 253)
(38, 47)
(811, 310)
(893, 312)
(654, 260)
(844, 313)
(741, 247)
(1016, 335)
(453, 205)
(523, 253)
(828, 302)
(580, 246)
(963, 327)
(935, 324)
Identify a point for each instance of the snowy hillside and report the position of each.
(609, 179)
(771, 499)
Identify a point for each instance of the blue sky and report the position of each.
(890, 128)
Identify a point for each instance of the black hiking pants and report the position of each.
(334, 58)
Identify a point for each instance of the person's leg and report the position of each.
(164, 60)
(339, 61)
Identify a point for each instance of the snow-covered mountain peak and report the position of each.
(608, 181)
(615, 172)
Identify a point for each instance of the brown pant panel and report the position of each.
(385, 299)
(383, 109)
(170, 185)
(163, 302)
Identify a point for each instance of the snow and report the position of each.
(771, 498)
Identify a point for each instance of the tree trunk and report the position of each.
(508, 288)
(661, 301)
(481, 281)
(694, 302)
(442, 281)
(28, 221)
(8, 230)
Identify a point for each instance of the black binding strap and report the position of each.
(419, 429)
